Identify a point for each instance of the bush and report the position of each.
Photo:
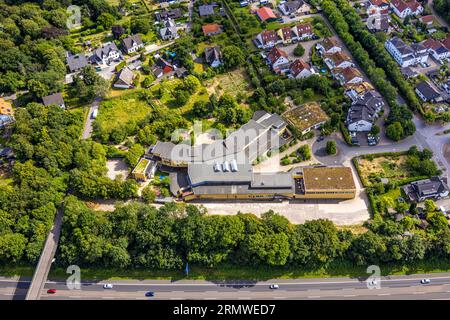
(331, 147)
(148, 195)
(299, 50)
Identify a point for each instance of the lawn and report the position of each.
(232, 83)
(120, 110)
(391, 167)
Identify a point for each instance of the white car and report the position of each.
(274, 286)
(425, 281)
(107, 286)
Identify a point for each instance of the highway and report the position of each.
(395, 287)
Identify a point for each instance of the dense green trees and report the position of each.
(137, 235)
(443, 8)
(331, 147)
(299, 50)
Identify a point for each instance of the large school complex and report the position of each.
(223, 169)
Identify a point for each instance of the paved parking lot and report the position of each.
(308, 45)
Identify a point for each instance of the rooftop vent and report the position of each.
(234, 166)
(226, 166)
(217, 167)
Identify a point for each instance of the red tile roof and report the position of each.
(298, 66)
(276, 54)
(210, 28)
(304, 28)
(287, 33)
(427, 19)
(446, 43)
(265, 13)
(268, 36)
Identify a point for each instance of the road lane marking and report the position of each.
(313, 297)
(418, 292)
(384, 294)
(349, 295)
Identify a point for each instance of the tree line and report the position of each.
(140, 236)
(348, 26)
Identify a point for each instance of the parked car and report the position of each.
(274, 286)
(107, 286)
(51, 291)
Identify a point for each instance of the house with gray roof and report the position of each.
(132, 43)
(169, 31)
(206, 10)
(54, 99)
(124, 79)
(433, 188)
(106, 54)
(364, 111)
(406, 55)
(76, 62)
(213, 56)
(427, 93)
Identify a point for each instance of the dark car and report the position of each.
(149, 294)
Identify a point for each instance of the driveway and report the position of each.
(88, 124)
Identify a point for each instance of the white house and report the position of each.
(404, 8)
(132, 43)
(278, 59)
(364, 111)
(213, 56)
(303, 31)
(348, 76)
(107, 53)
(267, 39)
(300, 69)
(328, 46)
(437, 49)
(338, 60)
(404, 54)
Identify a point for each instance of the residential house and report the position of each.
(408, 72)
(300, 69)
(302, 31)
(437, 49)
(169, 31)
(406, 55)
(206, 10)
(446, 42)
(427, 93)
(404, 8)
(278, 59)
(54, 99)
(211, 29)
(76, 62)
(162, 67)
(165, 15)
(295, 7)
(338, 60)
(306, 117)
(433, 188)
(132, 43)
(348, 75)
(328, 46)
(124, 79)
(213, 56)
(266, 14)
(379, 24)
(106, 54)
(427, 20)
(267, 39)
(357, 90)
(364, 111)
(382, 6)
(286, 35)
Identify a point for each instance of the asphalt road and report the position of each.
(394, 287)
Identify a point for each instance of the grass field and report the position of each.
(117, 111)
(390, 167)
(232, 83)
